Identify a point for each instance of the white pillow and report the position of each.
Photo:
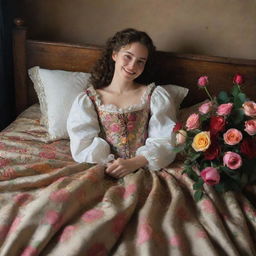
(178, 93)
(56, 90)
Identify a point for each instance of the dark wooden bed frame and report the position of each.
(171, 68)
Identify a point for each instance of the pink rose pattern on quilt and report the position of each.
(54, 206)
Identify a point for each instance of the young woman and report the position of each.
(118, 121)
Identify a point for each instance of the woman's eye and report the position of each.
(141, 62)
(128, 57)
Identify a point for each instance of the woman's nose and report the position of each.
(132, 64)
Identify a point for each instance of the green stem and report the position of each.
(208, 93)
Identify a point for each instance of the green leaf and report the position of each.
(195, 156)
(198, 195)
(220, 187)
(239, 99)
(237, 116)
(223, 97)
(235, 90)
(198, 185)
(178, 149)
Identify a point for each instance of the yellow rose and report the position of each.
(201, 141)
(123, 140)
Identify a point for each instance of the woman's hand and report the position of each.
(121, 167)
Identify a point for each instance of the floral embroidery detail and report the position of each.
(61, 195)
(47, 155)
(129, 190)
(29, 251)
(144, 233)
(15, 224)
(67, 233)
(8, 174)
(201, 234)
(92, 215)
(4, 162)
(176, 241)
(119, 223)
(124, 130)
(52, 218)
(208, 206)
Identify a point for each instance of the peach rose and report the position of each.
(232, 160)
(210, 176)
(250, 127)
(205, 107)
(201, 141)
(232, 136)
(250, 108)
(192, 122)
(181, 137)
(224, 109)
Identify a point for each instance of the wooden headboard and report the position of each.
(171, 68)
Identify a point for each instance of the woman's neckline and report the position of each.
(114, 108)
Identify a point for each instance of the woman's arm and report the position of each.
(159, 144)
(121, 167)
(83, 129)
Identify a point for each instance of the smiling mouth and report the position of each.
(129, 72)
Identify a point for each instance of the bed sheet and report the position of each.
(51, 205)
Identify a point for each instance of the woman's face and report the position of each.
(130, 60)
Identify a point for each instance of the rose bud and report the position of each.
(202, 81)
(210, 175)
(177, 127)
(238, 79)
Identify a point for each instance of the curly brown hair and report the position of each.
(103, 71)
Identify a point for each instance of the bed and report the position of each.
(51, 205)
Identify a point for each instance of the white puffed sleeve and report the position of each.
(83, 129)
(159, 144)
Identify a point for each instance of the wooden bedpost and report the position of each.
(19, 59)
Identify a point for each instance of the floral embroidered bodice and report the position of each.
(124, 129)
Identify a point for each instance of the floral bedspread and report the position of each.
(50, 205)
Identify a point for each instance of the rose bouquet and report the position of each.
(219, 141)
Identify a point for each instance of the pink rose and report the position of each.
(202, 81)
(232, 160)
(210, 176)
(205, 108)
(181, 137)
(115, 127)
(132, 117)
(250, 127)
(232, 136)
(224, 109)
(250, 108)
(238, 79)
(192, 122)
